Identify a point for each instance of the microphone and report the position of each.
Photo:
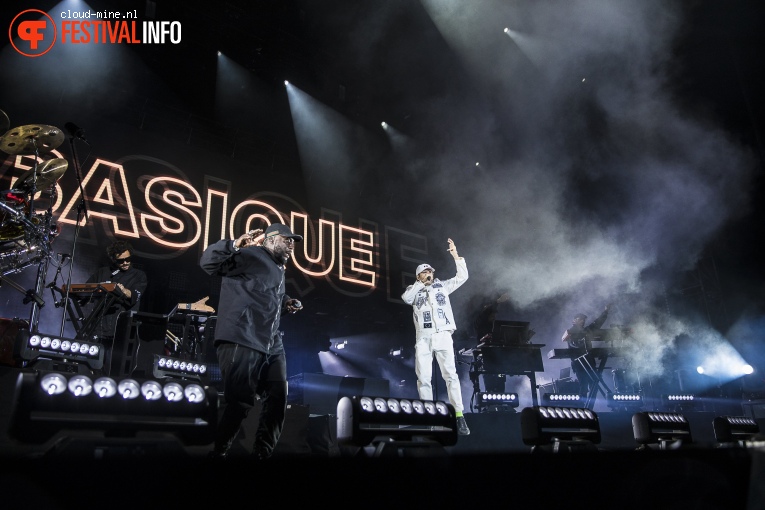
(76, 131)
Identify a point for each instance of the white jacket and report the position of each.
(432, 309)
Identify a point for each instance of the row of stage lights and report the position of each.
(362, 419)
(633, 400)
(34, 346)
(394, 405)
(37, 341)
(490, 399)
(106, 387)
(176, 365)
(47, 402)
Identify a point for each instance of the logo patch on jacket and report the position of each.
(426, 317)
(419, 301)
(440, 299)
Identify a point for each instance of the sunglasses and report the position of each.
(123, 261)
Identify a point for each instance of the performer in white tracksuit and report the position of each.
(434, 325)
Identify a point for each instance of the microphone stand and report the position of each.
(42, 268)
(82, 210)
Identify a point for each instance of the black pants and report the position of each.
(247, 373)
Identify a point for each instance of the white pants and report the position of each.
(442, 346)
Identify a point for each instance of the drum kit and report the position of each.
(26, 234)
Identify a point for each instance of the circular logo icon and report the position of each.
(32, 32)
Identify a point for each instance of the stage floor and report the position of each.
(490, 465)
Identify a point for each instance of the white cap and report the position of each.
(423, 267)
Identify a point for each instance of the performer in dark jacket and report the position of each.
(247, 337)
(131, 284)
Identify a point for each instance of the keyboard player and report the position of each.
(576, 338)
(131, 284)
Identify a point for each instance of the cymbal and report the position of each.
(31, 139)
(4, 122)
(48, 174)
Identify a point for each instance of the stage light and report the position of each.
(747, 369)
(341, 345)
(129, 389)
(286, 82)
(560, 426)
(53, 384)
(625, 401)
(507, 30)
(39, 347)
(664, 429)
(364, 420)
(397, 353)
(80, 385)
(384, 125)
(105, 387)
(493, 401)
(680, 402)
(165, 366)
(735, 429)
(563, 399)
(151, 390)
(43, 407)
(699, 369)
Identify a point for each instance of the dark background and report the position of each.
(620, 157)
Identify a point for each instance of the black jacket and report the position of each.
(252, 295)
(133, 279)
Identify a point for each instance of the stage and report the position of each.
(490, 465)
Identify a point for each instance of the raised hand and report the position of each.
(249, 238)
(453, 249)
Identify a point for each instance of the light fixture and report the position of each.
(341, 345)
(364, 420)
(735, 429)
(681, 402)
(46, 403)
(668, 430)
(166, 366)
(494, 401)
(568, 427)
(563, 399)
(625, 401)
(397, 353)
(38, 347)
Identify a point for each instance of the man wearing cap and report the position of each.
(247, 337)
(434, 325)
(576, 336)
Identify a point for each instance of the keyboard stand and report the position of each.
(595, 375)
(86, 325)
